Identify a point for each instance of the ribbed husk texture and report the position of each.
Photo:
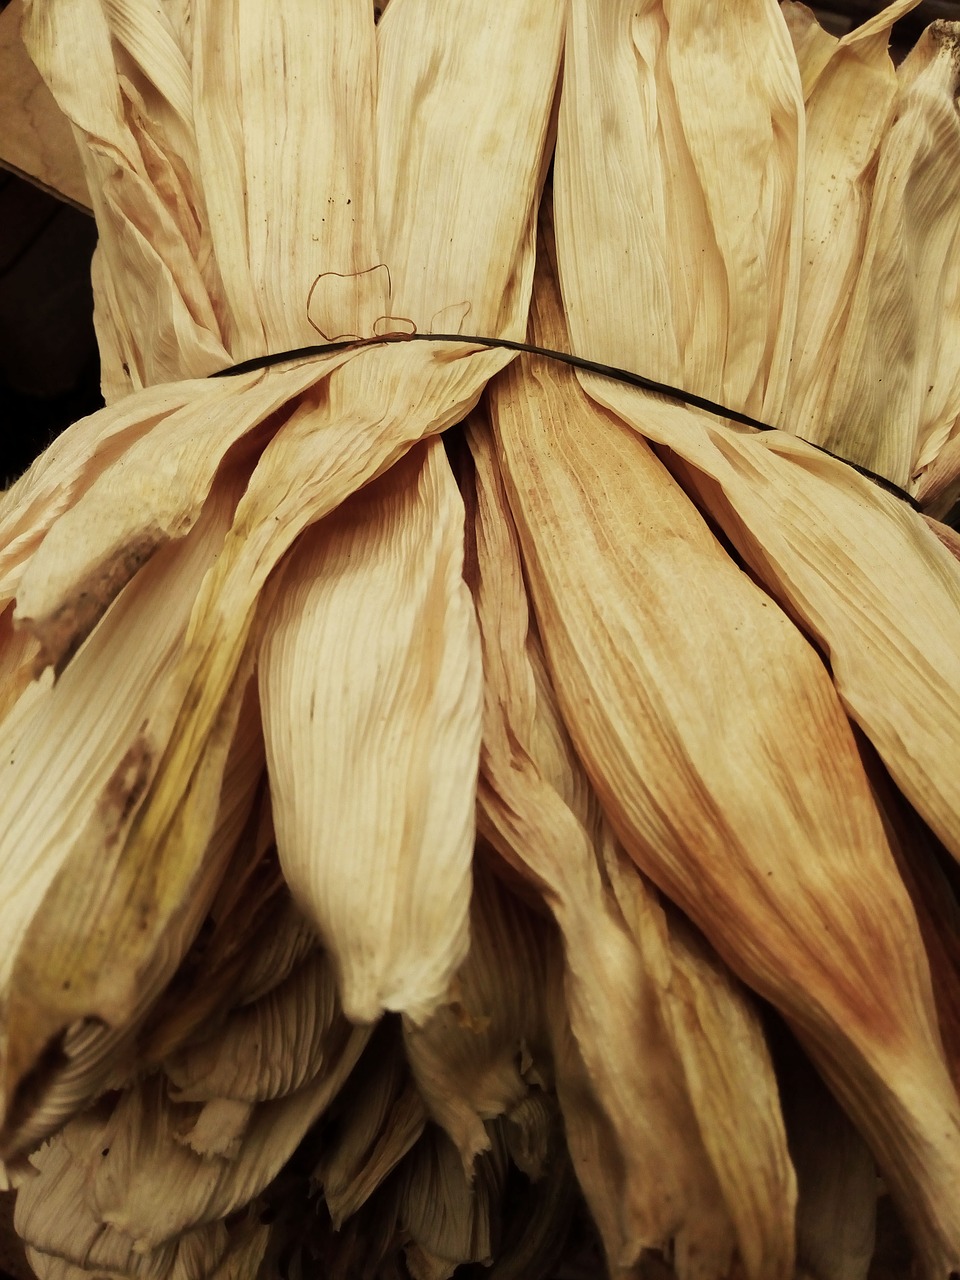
(538, 842)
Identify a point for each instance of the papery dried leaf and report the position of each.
(269, 1048)
(849, 108)
(370, 681)
(290, 489)
(537, 1225)
(152, 1187)
(56, 1219)
(628, 1020)
(812, 45)
(649, 680)
(452, 1217)
(836, 1176)
(151, 494)
(79, 763)
(251, 940)
(92, 1056)
(378, 1118)
(477, 1057)
(896, 390)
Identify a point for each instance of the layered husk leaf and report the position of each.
(485, 1048)
(836, 1175)
(670, 1047)
(650, 678)
(371, 685)
(213, 885)
(326, 442)
(376, 1120)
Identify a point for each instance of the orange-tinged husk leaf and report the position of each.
(719, 1042)
(371, 687)
(650, 679)
(484, 1048)
(861, 571)
(642, 1011)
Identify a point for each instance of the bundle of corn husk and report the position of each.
(459, 808)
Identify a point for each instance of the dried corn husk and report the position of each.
(648, 687)
(152, 1186)
(90, 757)
(450, 1216)
(631, 993)
(377, 1119)
(836, 1176)
(66, 1238)
(485, 1048)
(382, 767)
(154, 116)
(896, 391)
(850, 91)
(267, 1048)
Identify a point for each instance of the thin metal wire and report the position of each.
(626, 376)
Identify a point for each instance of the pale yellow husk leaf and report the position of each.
(371, 686)
(895, 392)
(849, 106)
(340, 436)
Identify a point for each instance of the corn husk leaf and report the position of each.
(251, 940)
(836, 1175)
(849, 105)
(377, 1119)
(64, 1236)
(896, 390)
(93, 1057)
(268, 1048)
(362, 423)
(645, 681)
(79, 765)
(371, 685)
(849, 556)
(478, 1056)
(629, 1008)
(152, 1186)
(451, 1216)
